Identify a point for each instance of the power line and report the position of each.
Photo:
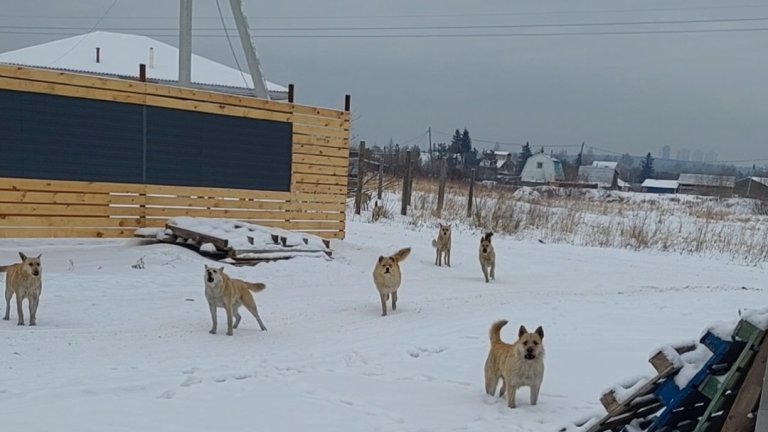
(86, 35)
(444, 27)
(231, 48)
(442, 35)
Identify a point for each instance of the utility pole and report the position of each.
(254, 65)
(431, 160)
(185, 42)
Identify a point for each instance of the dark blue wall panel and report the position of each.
(64, 138)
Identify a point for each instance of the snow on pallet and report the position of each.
(237, 242)
(713, 385)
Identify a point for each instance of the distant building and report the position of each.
(496, 164)
(752, 187)
(705, 184)
(697, 156)
(665, 152)
(683, 155)
(540, 168)
(660, 186)
(601, 176)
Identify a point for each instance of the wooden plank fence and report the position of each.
(53, 208)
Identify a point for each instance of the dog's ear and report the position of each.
(540, 332)
(23, 257)
(221, 269)
(381, 259)
(39, 256)
(206, 266)
(522, 332)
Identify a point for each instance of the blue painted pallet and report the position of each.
(683, 406)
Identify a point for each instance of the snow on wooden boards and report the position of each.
(239, 242)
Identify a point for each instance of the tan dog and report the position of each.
(520, 364)
(229, 293)
(387, 277)
(442, 245)
(487, 256)
(25, 281)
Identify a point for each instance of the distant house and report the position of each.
(706, 184)
(660, 186)
(603, 177)
(752, 187)
(496, 164)
(540, 168)
(605, 164)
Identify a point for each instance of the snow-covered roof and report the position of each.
(762, 180)
(660, 184)
(605, 164)
(602, 176)
(120, 55)
(707, 180)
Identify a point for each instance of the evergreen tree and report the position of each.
(455, 146)
(525, 153)
(646, 167)
(466, 142)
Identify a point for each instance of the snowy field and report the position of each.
(124, 349)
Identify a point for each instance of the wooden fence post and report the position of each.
(411, 162)
(406, 183)
(441, 188)
(360, 177)
(471, 192)
(381, 179)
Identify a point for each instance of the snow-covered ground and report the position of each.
(120, 348)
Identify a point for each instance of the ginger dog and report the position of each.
(442, 245)
(221, 291)
(520, 364)
(387, 277)
(24, 280)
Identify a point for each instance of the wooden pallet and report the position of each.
(722, 390)
(685, 406)
(641, 405)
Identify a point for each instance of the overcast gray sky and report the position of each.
(621, 92)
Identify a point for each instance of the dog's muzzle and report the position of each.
(35, 273)
(529, 355)
(485, 251)
(210, 279)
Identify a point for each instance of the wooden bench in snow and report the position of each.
(238, 242)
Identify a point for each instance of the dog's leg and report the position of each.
(448, 256)
(32, 303)
(438, 256)
(8, 296)
(493, 270)
(237, 316)
(485, 271)
(383, 304)
(214, 322)
(251, 306)
(491, 382)
(511, 390)
(19, 310)
(503, 390)
(394, 300)
(229, 307)
(535, 393)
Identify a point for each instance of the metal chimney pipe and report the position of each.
(151, 57)
(98, 55)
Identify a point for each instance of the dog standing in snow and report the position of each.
(487, 256)
(24, 280)
(442, 245)
(221, 291)
(520, 364)
(387, 277)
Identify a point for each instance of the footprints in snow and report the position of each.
(420, 351)
(192, 379)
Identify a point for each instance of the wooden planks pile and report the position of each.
(250, 244)
(315, 203)
(720, 394)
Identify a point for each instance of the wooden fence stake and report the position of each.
(381, 179)
(406, 183)
(471, 192)
(411, 161)
(441, 188)
(360, 177)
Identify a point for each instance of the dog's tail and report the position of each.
(256, 287)
(402, 254)
(4, 268)
(495, 332)
(434, 243)
(488, 235)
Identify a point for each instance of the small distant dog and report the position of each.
(520, 364)
(229, 293)
(24, 280)
(442, 245)
(487, 256)
(387, 277)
